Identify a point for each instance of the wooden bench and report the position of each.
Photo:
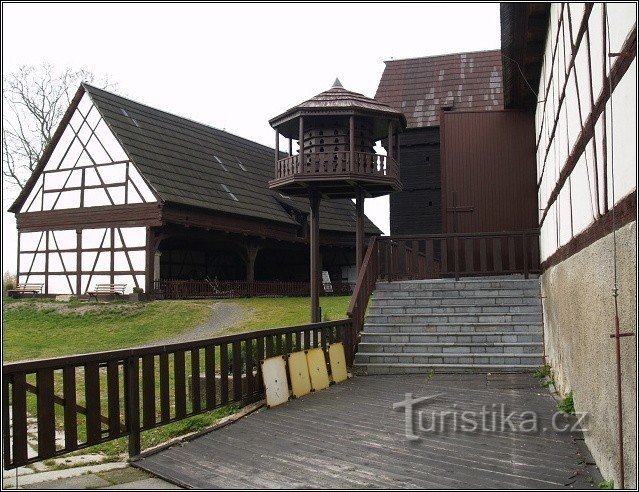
(25, 289)
(107, 289)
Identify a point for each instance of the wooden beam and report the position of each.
(314, 200)
(352, 142)
(359, 230)
(301, 151)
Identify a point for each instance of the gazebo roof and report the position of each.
(335, 101)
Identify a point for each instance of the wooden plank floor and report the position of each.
(349, 436)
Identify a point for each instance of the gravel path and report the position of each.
(224, 315)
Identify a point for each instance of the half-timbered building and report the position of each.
(129, 194)
(575, 70)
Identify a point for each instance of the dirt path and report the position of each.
(224, 315)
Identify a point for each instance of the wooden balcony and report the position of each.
(335, 173)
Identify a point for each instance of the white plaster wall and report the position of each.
(576, 207)
(578, 321)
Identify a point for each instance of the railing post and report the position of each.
(132, 380)
(456, 254)
(524, 242)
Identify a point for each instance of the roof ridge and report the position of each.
(443, 55)
(92, 87)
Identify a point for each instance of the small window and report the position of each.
(226, 188)
(221, 163)
(127, 115)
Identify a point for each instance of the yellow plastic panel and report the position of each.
(298, 374)
(317, 368)
(275, 383)
(337, 359)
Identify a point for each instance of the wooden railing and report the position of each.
(102, 396)
(458, 255)
(338, 163)
(230, 289)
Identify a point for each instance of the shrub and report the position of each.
(542, 372)
(138, 290)
(9, 281)
(607, 484)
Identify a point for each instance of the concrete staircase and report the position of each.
(489, 324)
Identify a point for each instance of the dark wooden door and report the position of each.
(488, 171)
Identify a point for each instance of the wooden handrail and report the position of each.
(366, 280)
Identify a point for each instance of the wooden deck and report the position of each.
(349, 436)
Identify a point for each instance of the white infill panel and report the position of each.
(275, 382)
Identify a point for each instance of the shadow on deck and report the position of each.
(350, 436)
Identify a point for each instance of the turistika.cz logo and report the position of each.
(490, 419)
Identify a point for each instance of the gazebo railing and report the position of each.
(333, 163)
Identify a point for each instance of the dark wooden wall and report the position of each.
(417, 208)
(488, 162)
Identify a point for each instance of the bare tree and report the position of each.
(34, 101)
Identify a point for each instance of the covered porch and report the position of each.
(194, 263)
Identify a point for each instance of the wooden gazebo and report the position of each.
(336, 132)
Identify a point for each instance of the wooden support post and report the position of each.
(46, 262)
(351, 133)
(78, 265)
(250, 254)
(359, 230)
(150, 261)
(112, 253)
(18, 262)
(390, 140)
(301, 166)
(290, 147)
(314, 199)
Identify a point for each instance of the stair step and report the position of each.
(448, 284)
(372, 369)
(377, 301)
(527, 293)
(456, 328)
(398, 308)
(430, 319)
(363, 358)
(450, 347)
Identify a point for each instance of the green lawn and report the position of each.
(287, 311)
(39, 329)
(36, 329)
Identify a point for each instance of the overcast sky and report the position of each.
(235, 66)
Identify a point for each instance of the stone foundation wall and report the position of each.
(578, 321)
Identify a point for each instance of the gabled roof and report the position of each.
(420, 87)
(189, 163)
